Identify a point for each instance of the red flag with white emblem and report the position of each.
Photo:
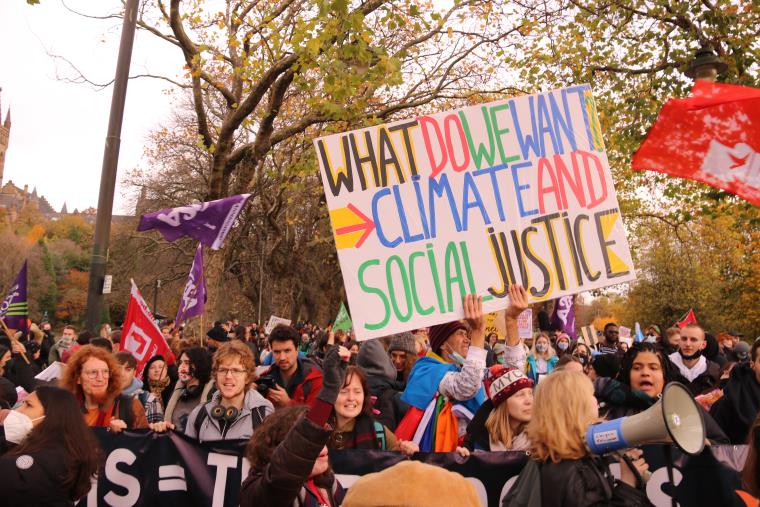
(140, 334)
(713, 137)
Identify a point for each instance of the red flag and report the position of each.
(689, 318)
(713, 137)
(140, 333)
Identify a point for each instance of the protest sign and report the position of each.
(427, 210)
(495, 324)
(525, 324)
(624, 332)
(275, 321)
(144, 468)
(588, 335)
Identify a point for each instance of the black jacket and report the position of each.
(737, 409)
(585, 482)
(281, 483)
(34, 479)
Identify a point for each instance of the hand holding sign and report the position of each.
(473, 314)
(518, 301)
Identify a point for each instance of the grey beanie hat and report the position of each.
(403, 341)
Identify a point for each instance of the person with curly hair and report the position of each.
(95, 378)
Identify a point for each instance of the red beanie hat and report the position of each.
(507, 382)
(440, 333)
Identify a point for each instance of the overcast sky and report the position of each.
(59, 128)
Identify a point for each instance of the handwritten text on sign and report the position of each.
(469, 201)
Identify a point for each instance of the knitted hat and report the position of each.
(402, 341)
(412, 483)
(218, 334)
(507, 382)
(440, 333)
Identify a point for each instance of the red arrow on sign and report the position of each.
(365, 224)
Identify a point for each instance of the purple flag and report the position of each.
(14, 309)
(563, 315)
(208, 222)
(193, 300)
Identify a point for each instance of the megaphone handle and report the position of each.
(640, 481)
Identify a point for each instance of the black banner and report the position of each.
(144, 469)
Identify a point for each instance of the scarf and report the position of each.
(157, 388)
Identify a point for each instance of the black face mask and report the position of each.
(691, 357)
(583, 358)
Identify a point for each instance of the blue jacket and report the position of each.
(531, 373)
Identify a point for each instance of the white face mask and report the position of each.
(17, 426)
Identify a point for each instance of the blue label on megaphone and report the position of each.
(606, 436)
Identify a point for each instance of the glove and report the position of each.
(333, 375)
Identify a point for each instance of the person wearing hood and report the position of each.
(737, 409)
(159, 378)
(445, 387)
(700, 374)
(381, 374)
(235, 410)
(644, 373)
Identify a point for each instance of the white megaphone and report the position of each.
(675, 418)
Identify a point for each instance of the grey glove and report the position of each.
(333, 375)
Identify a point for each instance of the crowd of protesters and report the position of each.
(298, 391)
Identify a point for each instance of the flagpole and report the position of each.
(200, 335)
(12, 338)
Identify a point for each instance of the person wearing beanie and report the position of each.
(406, 479)
(403, 353)
(215, 337)
(499, 423)
(445, 387)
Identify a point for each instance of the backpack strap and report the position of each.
(380, 435)
(202, 415)
(124, 403)
(257, 416)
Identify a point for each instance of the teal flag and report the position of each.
(343, 319)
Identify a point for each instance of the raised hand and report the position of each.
(518, 301)
(333, 373)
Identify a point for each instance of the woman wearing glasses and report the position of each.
(95, 378)
(235, 409)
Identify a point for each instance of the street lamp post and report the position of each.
(706, 65)
(108, 171)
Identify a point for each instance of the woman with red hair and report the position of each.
(95, 378)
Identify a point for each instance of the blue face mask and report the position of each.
(562, 345)
(457, 358)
